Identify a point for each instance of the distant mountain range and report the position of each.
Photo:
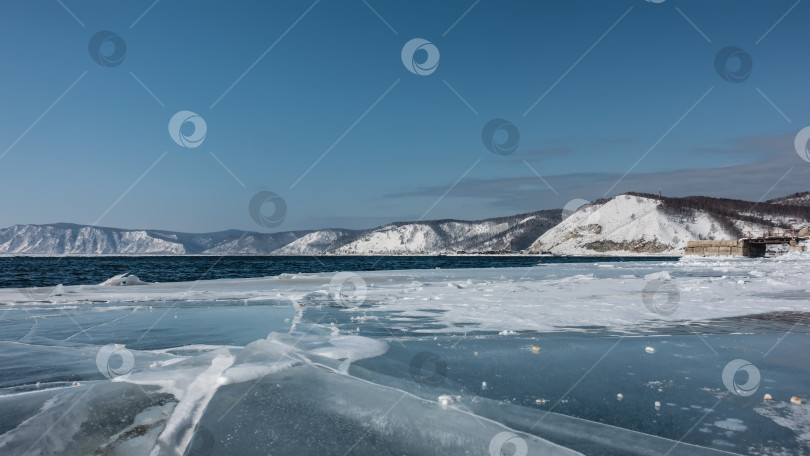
(514, 233)
(632, 223)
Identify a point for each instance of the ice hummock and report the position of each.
(120, 280)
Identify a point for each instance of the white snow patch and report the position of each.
(123, 280)
(731, 424)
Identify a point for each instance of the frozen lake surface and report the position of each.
(617, 358)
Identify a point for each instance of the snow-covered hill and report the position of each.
(506, 233)
(85, 240)
(624, 225)
(316, 243)
(513, 233)
(249, 243)
(796, 199)
(635, 224)
(70, 239)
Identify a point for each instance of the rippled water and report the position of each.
(46, 271)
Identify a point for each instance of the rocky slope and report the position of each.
(635, 224)
(513, 233)
(429, 237)
(796, 199)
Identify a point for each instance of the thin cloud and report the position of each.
(757, 146)
(749, 181)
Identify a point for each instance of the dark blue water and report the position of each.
(47, 271)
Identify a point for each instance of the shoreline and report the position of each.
(326, 255)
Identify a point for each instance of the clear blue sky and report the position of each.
(617, 77)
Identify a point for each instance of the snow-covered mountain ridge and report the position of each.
(796, 199)
(513, 233)
(634, 224)
(630, 224)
